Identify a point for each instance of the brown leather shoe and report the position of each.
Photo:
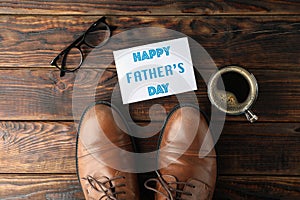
(99, 142)
(183, 174)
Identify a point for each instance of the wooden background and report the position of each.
(37, 132)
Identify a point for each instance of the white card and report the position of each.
(155, 70)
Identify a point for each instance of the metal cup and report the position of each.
(236, 94)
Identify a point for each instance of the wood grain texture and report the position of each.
(55, 187)
(254, 42)
(37, 147)
(49, 147)
(257, 188)
(66, 187)
(40, 94)
(260, 148)
(260, 161)
(131, 7)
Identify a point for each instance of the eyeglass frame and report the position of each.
(77, 44)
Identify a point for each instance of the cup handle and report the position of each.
(251, 116)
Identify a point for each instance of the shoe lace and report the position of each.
(105, 186)
(172, 192)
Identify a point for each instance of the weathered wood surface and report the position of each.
(40, 94)
(66, 187)
(33, 186)
(49, 147)
(257, 187)
(131, 7)
(254, 42)
(37, 147)
(37, 133)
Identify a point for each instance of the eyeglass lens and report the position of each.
(97, 35)
(73, 58)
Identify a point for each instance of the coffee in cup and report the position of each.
(233, 90)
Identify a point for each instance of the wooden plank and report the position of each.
(36, 147)
(32, 186)
(40, 94)
(259, 148)
(49, 147)
(257, 187)
(67, 187)
(254, 42)
(131, 7)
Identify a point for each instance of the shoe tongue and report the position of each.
(96, 191)
(160, 188)
(200, 191)
(94, 195)
(169, 178)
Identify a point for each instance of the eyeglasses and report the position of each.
(71, 58)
